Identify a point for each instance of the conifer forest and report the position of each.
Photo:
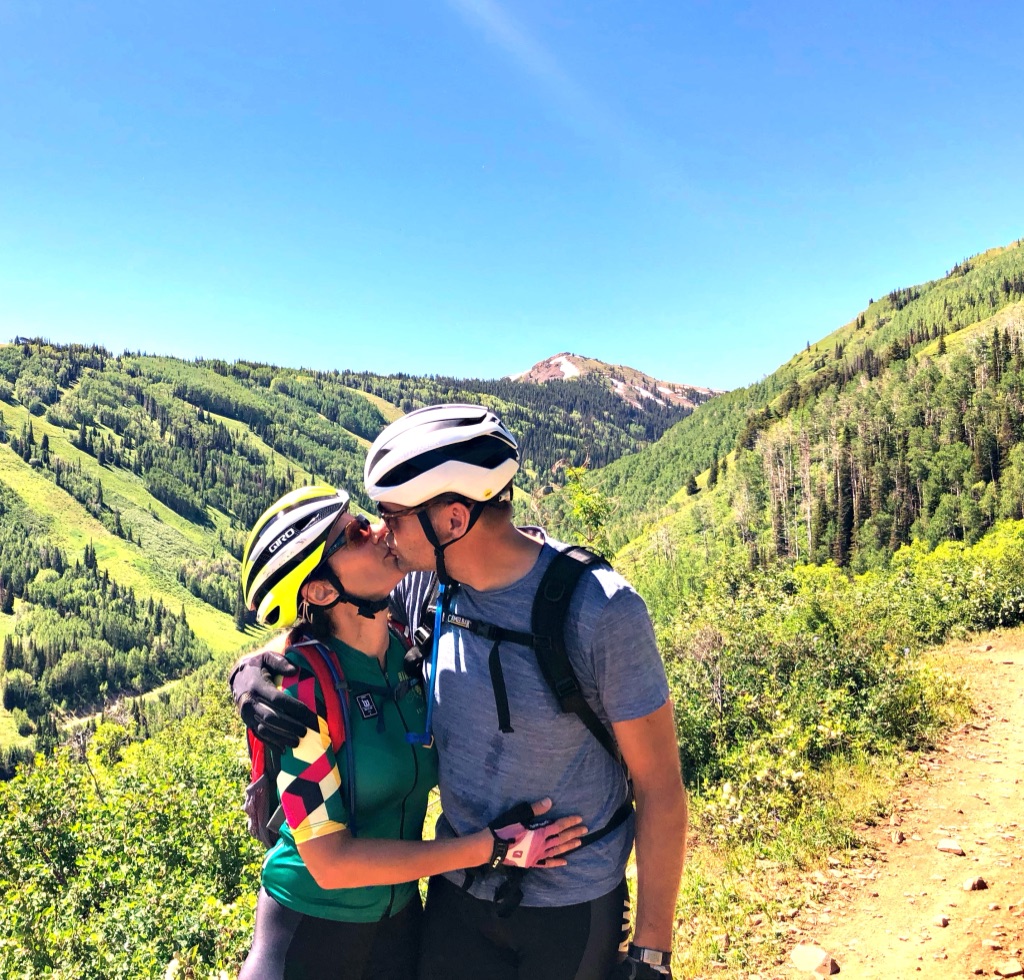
(800, 543)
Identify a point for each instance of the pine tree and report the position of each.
(844, 506)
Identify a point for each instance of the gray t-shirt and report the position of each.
(484, 771)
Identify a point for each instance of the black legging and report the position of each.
(291, 946)
(465, 939)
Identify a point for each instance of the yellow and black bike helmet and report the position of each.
(284, 547)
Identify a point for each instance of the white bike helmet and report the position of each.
(460, 449)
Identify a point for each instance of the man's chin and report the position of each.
(403, 565)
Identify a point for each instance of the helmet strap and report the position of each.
(368, 608)
(428, 529)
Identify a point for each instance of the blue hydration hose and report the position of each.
(426, 738)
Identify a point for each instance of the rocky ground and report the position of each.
(939, 893)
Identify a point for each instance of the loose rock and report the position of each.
(950, 847)
(1011, 968)
(828, 967)
(975, 885)
(813, 959)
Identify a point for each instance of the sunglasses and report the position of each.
(392, 517)
(353, 535)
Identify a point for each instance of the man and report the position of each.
(442, 479)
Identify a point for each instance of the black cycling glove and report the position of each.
(633, 969)
(277, 718)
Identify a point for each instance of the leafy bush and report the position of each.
(777, 672)
(23, 722)
(111, 869)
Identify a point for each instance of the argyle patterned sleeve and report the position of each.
(309, 782)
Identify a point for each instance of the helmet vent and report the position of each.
(483, 451)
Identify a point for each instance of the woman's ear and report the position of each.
(318, 592)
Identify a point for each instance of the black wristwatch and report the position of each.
(652, 957)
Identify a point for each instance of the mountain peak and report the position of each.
(630, 384)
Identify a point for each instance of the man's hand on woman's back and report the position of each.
(277, 718)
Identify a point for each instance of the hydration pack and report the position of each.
(547, 640)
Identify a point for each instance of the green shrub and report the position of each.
(113, 870)
(782, 670)
(25, 724)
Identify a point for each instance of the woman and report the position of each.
(338, 896)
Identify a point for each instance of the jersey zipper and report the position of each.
(415, 773)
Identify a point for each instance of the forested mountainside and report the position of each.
(576, 421)
(799, 543)
(315, 419)
(79, 635)
(128, 483)
(134, 478)
(929, 450)
(897, 332)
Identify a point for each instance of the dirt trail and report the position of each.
(880, 918)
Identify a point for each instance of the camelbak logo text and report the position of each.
(290, 533)
(458, 621)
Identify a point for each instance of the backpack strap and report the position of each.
(327, 670)
(425, 628)
(547, 639)
(332, 683)
(495, 634)
(550, 608)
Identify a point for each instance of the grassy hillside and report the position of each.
(862, 502)
(929, 450)
(157, 467)
(906, 324)
(167, 538)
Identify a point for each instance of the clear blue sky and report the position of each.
(469, 186)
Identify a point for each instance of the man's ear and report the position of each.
(456, 519)
(318, 592)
